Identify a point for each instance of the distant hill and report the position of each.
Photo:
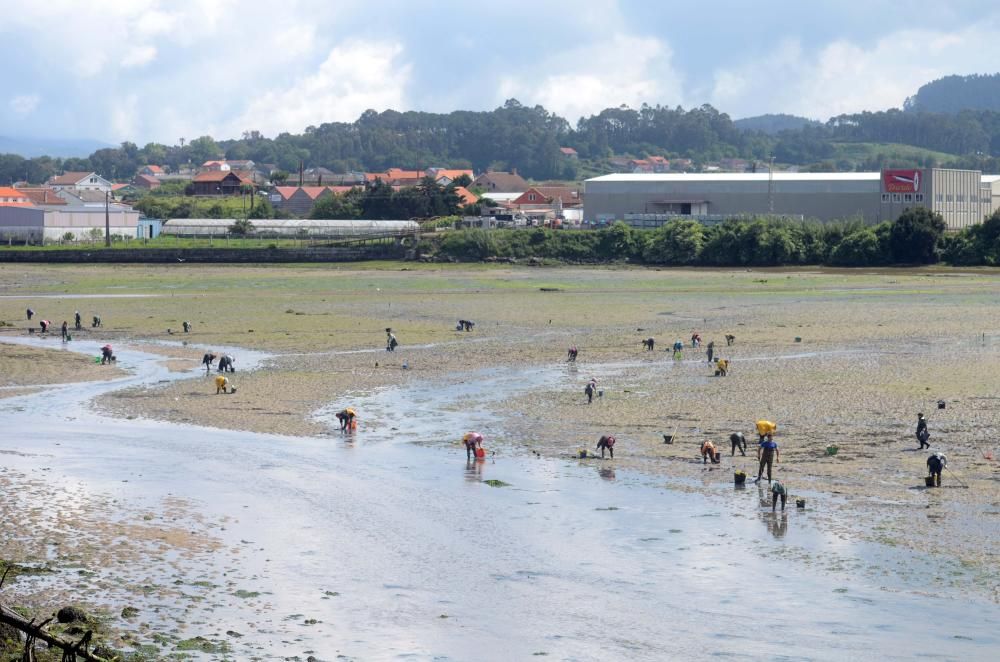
(953, 94)
(54, 147)
(773, 123)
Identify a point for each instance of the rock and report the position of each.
(72, 614)
(130, 612)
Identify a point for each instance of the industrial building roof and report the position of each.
(741, 177)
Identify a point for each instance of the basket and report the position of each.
(668, 438)
(800, 503)
(740, 477)
(832, 450)
(929, 481)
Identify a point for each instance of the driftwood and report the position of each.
(72, 651)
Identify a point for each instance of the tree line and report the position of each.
(917, 237)
(529, 139)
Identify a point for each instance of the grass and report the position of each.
(168, 242)
(859, 152)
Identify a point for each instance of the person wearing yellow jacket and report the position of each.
(221, 384)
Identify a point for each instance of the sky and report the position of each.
(161, 70)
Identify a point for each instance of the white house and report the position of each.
(80, 181)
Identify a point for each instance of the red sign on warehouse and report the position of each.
(901, 181)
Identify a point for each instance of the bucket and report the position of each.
(582, 453)
(929, 481)
(739, 477)
(941, 404)
(832, 450)
(798, 338)
(800, 503)
(600, 394)
(668, 438)
(718, 457)
(480, 453)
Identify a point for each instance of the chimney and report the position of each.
(301, 168)
(513, 171)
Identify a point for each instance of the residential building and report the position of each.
(80, 181)
(147, 182)
(734, 165)
(84, 198)
(215, 166)
(445, 176)
(151, 171)
(556, 198)
(569, 152)
(220, 182)
(466, 196)
(12, 197)
(42, 195)
(243, 165)
(501, 182)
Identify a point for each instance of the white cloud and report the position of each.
(24, 104)
(354, 77)
(603, 72)
(844, 77)
(138, 57)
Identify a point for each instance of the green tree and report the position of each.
(203, 149)
(859, 249)
(617, 242)
(242, 227)
(915, 235)
(336, 207)
(677, 242)
(262, 209)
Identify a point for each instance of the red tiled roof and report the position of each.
(155, 168)
(286, 191)
(466, 196)
(549, 194)
(568, 151)
(398, 173)
(12, 197)
(42, 196)
(118, 187)
(313, 192)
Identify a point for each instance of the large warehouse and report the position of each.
(31, 223)
(963, 197)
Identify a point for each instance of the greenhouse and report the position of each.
(292, 228)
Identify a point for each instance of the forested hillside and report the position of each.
(529, 139)
(953, 94)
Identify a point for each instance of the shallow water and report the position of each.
(422, 560)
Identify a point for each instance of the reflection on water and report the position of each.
(474, 470)
(606, 474)
(777, 523)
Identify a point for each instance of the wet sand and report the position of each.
(27, 369)
(875, 348)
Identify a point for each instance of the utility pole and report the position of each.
(107, 219)
(770, 186)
